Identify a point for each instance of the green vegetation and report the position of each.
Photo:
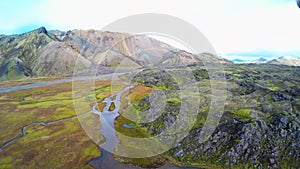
(60, 145)
(134, 95)
(151, 162)
(112, 106)
(22, 53)
(242, 113)
(257, 129)
(174, 101)
(262, 103)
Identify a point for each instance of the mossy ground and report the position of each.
(255, 94)
(250, 90)
(60, 145)
(27, 81)
(134, 96)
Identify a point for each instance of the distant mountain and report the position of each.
(286, 60)
(257, 61)
(47, 53)
(260, 60)
(238, 61)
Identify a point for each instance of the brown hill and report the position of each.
(47, 53)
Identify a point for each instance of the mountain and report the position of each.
(286, 60)
(257, 61)
(238, 61)
(36, 53)
(260, 60)
(48, 53)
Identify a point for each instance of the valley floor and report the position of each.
(259, 126)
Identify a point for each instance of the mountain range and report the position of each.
(284, 60)
(54, 53)
(256, 125)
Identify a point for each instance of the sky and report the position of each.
(235, 28)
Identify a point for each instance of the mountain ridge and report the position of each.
(286, 60)
(283, 60)
(50, 53)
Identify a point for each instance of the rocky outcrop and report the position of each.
(41, 30)
(260, 127)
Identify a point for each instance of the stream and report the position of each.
(107, 118)
(23, 129)
(107, 129)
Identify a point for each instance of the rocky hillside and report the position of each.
(286, 60)
(260, 127)
(47, 53)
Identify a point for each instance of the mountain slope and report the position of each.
(48, 53)
(18, 53)
(286, 60)
(58, 58)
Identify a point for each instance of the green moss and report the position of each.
(151, 162)
(174, 101)
(112, 106)
(238, 141)
(242, 113)
(6, 162)
(92, 150)
(55, 143)
(162, 87)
